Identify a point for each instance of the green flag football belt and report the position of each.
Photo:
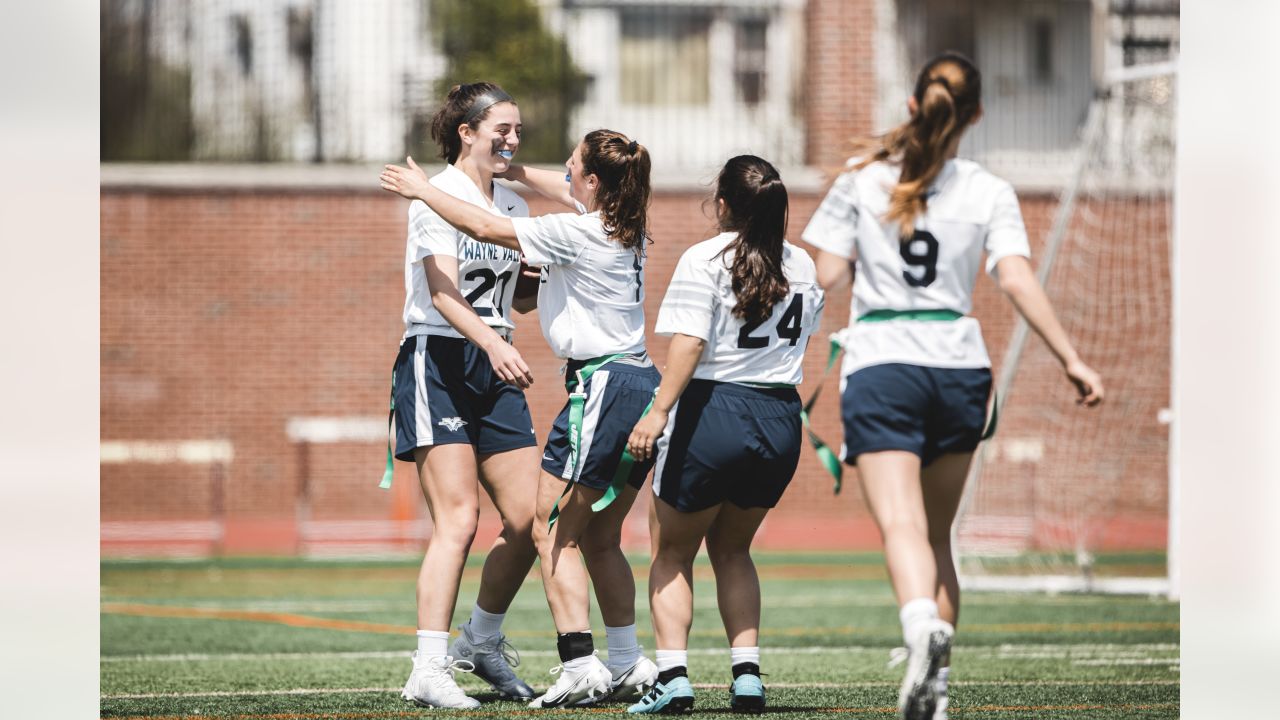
(825, 455)
(577, 388)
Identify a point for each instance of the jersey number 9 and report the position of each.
(921, 251)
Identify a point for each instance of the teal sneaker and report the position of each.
(669, 699)
(746, 694)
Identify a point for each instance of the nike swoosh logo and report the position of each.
(510, 208)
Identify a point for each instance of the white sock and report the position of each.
(915, 612)
(485, 625)
(432, 643)
(739, 655)
(944, 674)
(624, 649)
(668, 659)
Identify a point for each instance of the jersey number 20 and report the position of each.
(488, 281)
(928, 259)
(788, 327)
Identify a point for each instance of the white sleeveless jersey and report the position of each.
(700, 303)
(486, 273)
(968, 210)
(591, 295)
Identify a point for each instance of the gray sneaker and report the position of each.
(493, 659)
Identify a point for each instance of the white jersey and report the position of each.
(968, 210)
(486, 273)
(591, 296)
(700, 303)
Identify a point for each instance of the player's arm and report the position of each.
(682, 360)
(1017, 281)
(525, 298)
(412, 183)
(442, 283)
(834, 272)
(547, 183)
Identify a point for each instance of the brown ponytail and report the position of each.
(470, 104)
(947, 94)
(755, 207)
(622, 166)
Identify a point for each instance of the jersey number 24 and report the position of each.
(788, 327)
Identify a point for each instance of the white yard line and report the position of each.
(703, 686)
(1101, 654)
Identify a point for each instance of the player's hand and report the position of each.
(408, 182)
(646, 433)
(1088, 383)
(508, 364)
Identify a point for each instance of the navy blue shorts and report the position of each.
(617, 395)
(728, 442)
(446, 393)
(924, 410)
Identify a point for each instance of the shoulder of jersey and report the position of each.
(711, 247)
(798, 263)
(509, 202)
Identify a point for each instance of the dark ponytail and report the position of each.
(467, 104)
(622, 195)
(755, 207)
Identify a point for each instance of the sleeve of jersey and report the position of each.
(548, 239)
(429, 234)
(1006, 233)
(690, 301)
(834, 225)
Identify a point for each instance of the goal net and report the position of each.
(1067, 498)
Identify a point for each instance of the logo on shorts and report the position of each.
(452, 424)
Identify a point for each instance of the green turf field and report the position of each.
(295, 639)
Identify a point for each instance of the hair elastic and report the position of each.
(484, 102)
(632, 147)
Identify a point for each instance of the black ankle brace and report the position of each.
(746, 668)
(574, 645)
(667, 676)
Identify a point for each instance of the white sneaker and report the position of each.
(918, 698)
(580, 687)
(432, 685)
(631, 683)
(940, 711)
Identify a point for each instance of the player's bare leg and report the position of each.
(511, 479)
(676, 539)
(563, 576)
(943, 485)
(611, 574)
(737, 584)
(583, 677)
(615, 588)
(448, 477)
(892, 487)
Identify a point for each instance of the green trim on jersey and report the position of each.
(921, 315)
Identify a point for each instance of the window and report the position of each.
(243, 42)
(664, 56)
(750, 59)
(1042, 51)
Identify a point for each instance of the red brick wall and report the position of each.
(224, 313)
(840, 81)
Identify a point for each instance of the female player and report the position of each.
(916, 376)
(726, 421)
(592, 314)
(459, 403)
